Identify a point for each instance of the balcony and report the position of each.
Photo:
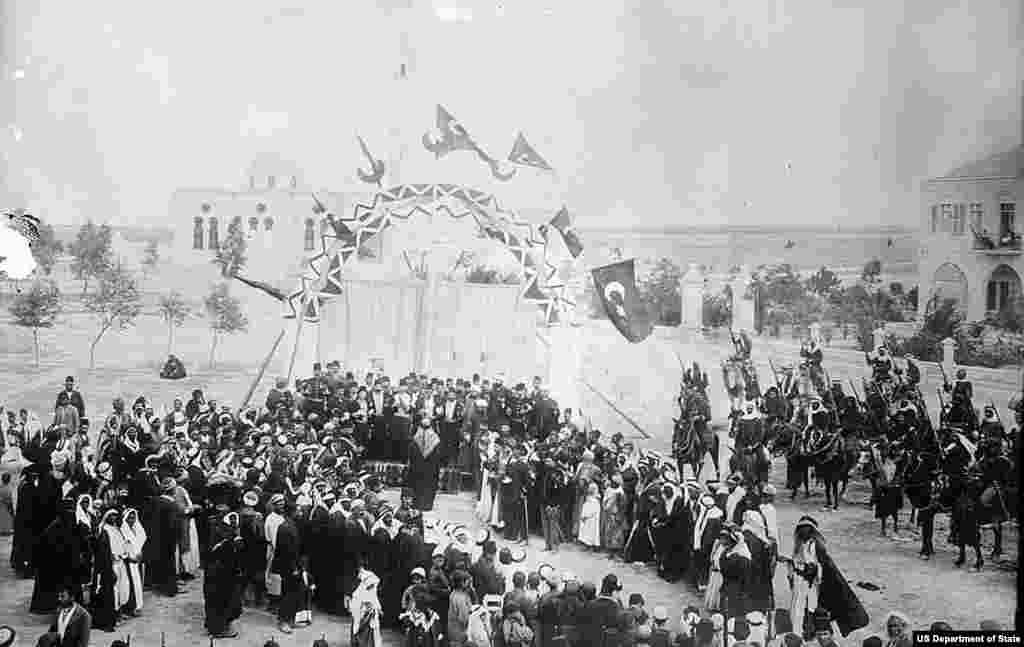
(1007, 244)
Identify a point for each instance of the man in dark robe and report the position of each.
(760, 595)
(74, 396)
(603, 618)
(424, 464)
(161, 568)
(25, 518)
(513, 494)
(673, 533)
(61, 556)
(254, 548)
(287, 552)
(222, 575)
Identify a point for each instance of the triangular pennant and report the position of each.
(525, 155)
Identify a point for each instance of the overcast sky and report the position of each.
(666, 112)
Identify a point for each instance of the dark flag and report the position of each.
(616, 287)
(523, 153)
(563, 223)
(453, 136)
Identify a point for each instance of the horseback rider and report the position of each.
(991, 425)
(912, 375)
(741, 346)
(750, 434)
(996, 472)
(961, 385)
(775, 408)
(881, 365)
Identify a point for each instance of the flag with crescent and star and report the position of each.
(525, 155)
(453, 137)
(617, 290)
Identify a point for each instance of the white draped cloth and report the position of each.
(118, 551)
(270, 527)
(805, 594)
(188, 557)
(366, 609)
(135, 539)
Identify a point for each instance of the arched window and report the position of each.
(197, 233)
(214, 234)
(254, 224)
(236, 223)
(310, 237)
(1004, 287)
(268, 223)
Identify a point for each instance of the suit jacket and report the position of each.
(77, 632)
(76, 401)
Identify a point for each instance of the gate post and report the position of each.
(691, 290)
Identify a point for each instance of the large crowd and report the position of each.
(288, 506)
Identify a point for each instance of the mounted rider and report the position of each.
(750, 433)
(881, 365)
(776, 409)
(991, 426)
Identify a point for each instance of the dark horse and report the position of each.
(753, 463)
(693, 437)
(832, 464)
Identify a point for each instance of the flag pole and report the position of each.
(262, 370)
(298, 336)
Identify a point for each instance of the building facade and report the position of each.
(273, 207)
(970, 248)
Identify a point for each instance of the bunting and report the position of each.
(322, 278)
(452, 136)
(525, 155)
(376, 172)
(562, 222)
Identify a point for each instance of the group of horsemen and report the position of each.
(966, 467)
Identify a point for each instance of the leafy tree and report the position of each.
(91, 253)
(661, 289)
(779, 285)
(225, 314)
(824, 282)
(231, 259)
(37, 308)
(116, 302)
(174, 311)
(1010, 317)
(46, 249)
(150, 257)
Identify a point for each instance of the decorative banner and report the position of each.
(563, 223)
(376, 173)
(525, 155)
(453, 136)
(616, 287)
(322, 280)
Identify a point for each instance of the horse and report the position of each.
(734, 378)
(688, 446)
(752, 463)
(919, 475)
(832, 465)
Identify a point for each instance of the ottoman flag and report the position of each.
(616, 287)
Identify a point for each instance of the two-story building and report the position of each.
(971, 237)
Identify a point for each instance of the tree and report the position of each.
(230, 258)
(46, 249)
(225, 314)
(661, 289)
(779, 285)
(491, 276)
(150, 257)
(824, 282)
(37, 308)
(116, 302)
(91, 253)
(173, 310)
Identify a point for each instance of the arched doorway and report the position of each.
(1002, 289)
(949, 282)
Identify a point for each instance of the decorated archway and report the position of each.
(322, 279)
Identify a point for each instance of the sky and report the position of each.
(653, 112)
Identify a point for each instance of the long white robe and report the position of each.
(365, 603)
(804, 594)
(188, 558)
(118, 551)
(135, 539)
(270, 527)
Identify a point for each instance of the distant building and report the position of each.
(971, 242)
(274, 207)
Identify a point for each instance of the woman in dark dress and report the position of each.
(104, 599)
(62, 554)
(222, 581)
(424, 464)
(640, 542)
(24, 515)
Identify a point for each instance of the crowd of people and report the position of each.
(280, 506)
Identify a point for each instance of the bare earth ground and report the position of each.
(640, 379)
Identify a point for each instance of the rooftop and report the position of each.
(1008, 164)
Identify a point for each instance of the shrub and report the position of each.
(717, 310)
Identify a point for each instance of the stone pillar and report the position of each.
(564, 365)
(743, 308)
(429, 323)
(691, 289)
(948, 356)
